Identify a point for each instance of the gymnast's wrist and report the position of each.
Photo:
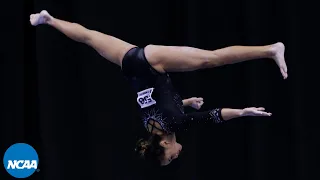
(186, 102)
(51, 21)
(241, 113)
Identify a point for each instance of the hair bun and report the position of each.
(150, 149)
(141, 146)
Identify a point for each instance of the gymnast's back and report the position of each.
(156, 96)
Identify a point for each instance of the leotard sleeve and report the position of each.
(185, 121)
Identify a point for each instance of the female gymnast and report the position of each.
(147, 71)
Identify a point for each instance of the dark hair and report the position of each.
(150, 150)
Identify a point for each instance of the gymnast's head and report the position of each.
(159, 150)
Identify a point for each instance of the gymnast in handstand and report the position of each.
(147, 68)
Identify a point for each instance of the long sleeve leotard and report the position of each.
(157, 98)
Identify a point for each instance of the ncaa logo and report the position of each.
(21, 160)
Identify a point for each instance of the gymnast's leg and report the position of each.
(107, 46)
(177, 59)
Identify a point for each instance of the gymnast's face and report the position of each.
(172, 150)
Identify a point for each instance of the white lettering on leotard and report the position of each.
(144, 98)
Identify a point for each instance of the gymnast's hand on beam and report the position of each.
(253, 111)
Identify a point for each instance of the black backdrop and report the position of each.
(76, 109)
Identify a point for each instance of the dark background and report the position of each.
(76, 108)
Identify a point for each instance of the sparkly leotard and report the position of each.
(157, 97)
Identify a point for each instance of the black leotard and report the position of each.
(157, 97)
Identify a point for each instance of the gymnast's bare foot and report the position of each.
(40, 18)
(278, 50)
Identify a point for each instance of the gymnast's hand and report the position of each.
(252, 111)
(40, 18)
(194, 102)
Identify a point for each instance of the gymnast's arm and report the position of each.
(186, 102)
(228, 113)
(217, 115)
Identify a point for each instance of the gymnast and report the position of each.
(147, 68)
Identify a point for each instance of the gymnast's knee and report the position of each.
(209, 60)
(88, 36)
(203, 63)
